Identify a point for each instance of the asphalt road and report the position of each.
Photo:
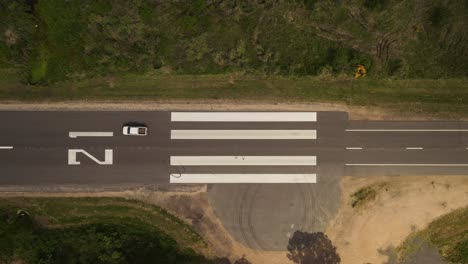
(40, 147)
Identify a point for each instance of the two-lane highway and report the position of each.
(41, 148)
(407, 148)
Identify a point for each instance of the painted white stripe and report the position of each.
(243, 160)
(353, 148)
(6, 147)
(243, 116)
(243, 134)
(408, 165)
(243, 178)
(414, 148)
(90, 134)
(407, 130)
(72, 159)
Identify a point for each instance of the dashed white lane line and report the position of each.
(243, 178)
(90, 134)
(243, 134)
(355, 148)
(406, 130)
(243, 160)
(6, 147)
(414, 148)
(243, 116)
(407, 165)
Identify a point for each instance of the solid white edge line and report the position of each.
(409, 148)
(243, 178)
(6, 147)
(406, 130)
(243, 134)
(407, 165)
(243, 160)
(353, 148)
(243, 116)
(90, 134)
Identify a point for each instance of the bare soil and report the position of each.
(370, 234)
(355, 112)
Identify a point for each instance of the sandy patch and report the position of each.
(355, 112)
(405, 205)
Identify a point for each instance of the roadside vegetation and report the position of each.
(448, 233)
(414, 51)
(366, 195)
(445, 97)
(94, 230)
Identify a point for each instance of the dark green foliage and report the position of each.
(122, 242)
(311, 248)
(439, 16)
(461, 255)
(393, 66)
(76, 39)
(17, 25)
(310, 4)
(375, 4)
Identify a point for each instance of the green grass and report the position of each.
(449, 233)
(363, 196)
(366, 195)
(78, 215)
(446, 98)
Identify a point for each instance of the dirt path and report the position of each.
(355, 112)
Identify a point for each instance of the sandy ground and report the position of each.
(355, 112)
(408, 204)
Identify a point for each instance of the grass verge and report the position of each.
(449, 233)
(108, 222)
(442, 97)
(366, 195)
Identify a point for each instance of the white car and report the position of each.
(134, 130)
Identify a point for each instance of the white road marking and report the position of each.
(406, 130)
(108, 157)
(90, 134)
(243, 178)
(353, 148)
(243, 134)
(413, 148)
(6, 147)
(243, 160)
(408, 165)
(243, 116)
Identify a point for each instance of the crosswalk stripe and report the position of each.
(243, 160)
(243, 178)
(243, 134)
(243, 116)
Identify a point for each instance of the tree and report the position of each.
(312, 248)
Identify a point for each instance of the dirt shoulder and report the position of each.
(355, 112)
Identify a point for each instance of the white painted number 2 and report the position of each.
(108, 157)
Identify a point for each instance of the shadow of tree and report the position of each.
(312, 248)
